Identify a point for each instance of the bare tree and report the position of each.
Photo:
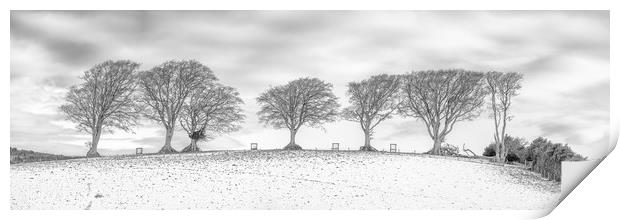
(165, 89)
(303, 101)
(104, 100)
(502, 87)
(212, 109)
(441, 98)
(372, 101)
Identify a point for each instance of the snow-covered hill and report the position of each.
(277, 180)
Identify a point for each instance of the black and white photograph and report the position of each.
(305, 110)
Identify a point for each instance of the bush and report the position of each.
(449, 150)
(512, 157)
(489, 151)
(547, 157)
(515, 146)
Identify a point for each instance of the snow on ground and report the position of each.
(276, 180)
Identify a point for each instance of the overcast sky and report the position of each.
(564, 57)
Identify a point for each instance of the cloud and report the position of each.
(404, 127)
(61, 48)
(552, 128)
(594, 97)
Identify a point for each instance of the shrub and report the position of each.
(512, 157)
(515, 146)
(446, 150)
(449, 150)
(547, 157)
(489, 151)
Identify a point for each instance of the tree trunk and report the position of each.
(192, 147)
(503, 138)
(92, 152)
(498, 152)
(436, 146)
(292, 138)
(167, 148)
(367, 146)
(292, 145)
(504, 152)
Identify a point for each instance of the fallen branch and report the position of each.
(468, 151)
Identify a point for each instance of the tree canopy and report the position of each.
(440, 98)
(372, 101)
(211, 109)
(502, 88)
(165, 89)
(304, 101)
(105, 100)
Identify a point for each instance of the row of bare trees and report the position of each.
(439, 98)
(115, 94)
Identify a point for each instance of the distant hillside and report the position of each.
(23, 156)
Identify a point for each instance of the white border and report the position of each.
(594, 197)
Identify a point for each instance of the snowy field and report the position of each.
(276, 180)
